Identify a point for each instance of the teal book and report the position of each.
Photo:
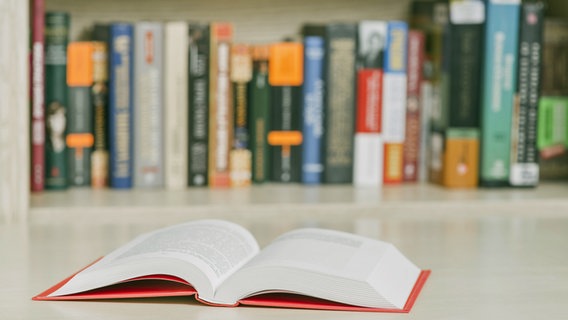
(56, 41)
(499, 88)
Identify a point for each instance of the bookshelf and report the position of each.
(255, 21)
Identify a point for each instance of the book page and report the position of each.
(322, 251)
(213, 248)
(326, 264)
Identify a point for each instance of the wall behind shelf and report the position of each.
(255, 20)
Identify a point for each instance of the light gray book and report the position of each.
(148, 105)
(176, 133)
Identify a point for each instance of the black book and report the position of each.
(524, 153)
(198, 103)
(285, 160)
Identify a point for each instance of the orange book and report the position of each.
(286, 66)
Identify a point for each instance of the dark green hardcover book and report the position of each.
(259, 111)
(524, 171)
(285, 161)
(285, 75)
(339, 102)
(56, 40)
(198, 103)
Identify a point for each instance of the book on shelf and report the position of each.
(79, 138)
(393, 115)
(56, 40)
(499, 87)
(411, 156)
(37, 95)
(312, 110)
(259, 111)
(553, 105)
(458, 123)
(176, 87)
(285, 75)
(198, 103)
(552, 138)
(524, 152)
(431, 17)
(121, 105)
(220, 264)
(149, 105)
(220, 104)
(339, 102)
(368, 148)
(100, 96)
(240, 156)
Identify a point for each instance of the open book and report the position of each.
(221, 264)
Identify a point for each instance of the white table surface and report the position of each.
(490, 265)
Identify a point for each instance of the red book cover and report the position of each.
(160, 285)
(369, 83)
(37, 86)
(411, 146)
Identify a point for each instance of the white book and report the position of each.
(148, 105)
(176, 104)
(221, 263)
(368, 160)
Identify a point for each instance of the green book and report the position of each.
(259, 104)
(56, 40)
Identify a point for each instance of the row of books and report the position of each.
(179, 104)
(485, 61)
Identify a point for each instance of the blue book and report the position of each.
(120, 105)
(499, 87)
(393, 116)
(312, 128)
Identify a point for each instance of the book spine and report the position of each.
(38, 97)
(260, 114)
(431, 17)
(339, 107)
(524, 154)
(198, 103)
(99, 93)
(411, 147)
(80, 113)
(368, 156)
(56, 40)
(149, 102)
(120, 106)
(285, 135)
(313, 91)
(220, 105)
(394, 100)
(240, 156)
(461, 89)
(499, 86)
(176, 104)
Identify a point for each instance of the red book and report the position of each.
(37, 87)
(369, 88)
(220, 263)
(411, 146)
